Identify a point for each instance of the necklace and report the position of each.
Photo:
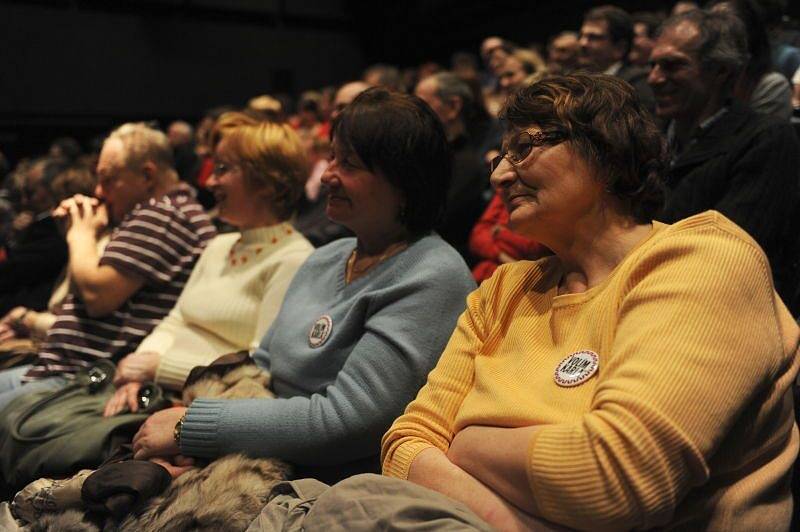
(352, 272)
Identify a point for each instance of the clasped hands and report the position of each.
(13, 325)
(82, 215)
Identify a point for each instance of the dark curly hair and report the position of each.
(400, 137)
(607, 125)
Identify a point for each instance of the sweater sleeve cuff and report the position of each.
(532, 484)
(172, 371)
(402, 457)
(200, 428)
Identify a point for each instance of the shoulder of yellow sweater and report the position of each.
(708, 224)
(521, 276)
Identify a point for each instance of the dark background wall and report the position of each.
(80, 66)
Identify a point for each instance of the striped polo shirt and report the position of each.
(158, 241)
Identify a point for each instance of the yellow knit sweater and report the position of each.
(687, 423)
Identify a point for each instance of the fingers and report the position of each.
(180, 460)
(87, 205)
(142, 448)
(138, 443)
(101, 213)
(110, 408)
(137, 367)
(114, 405)
(120, 377)
(126, 395)
(132, 396)
(174, 470)
(7, 333)
(75, 204)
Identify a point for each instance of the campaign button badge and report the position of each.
(320, 331)
(576, 368)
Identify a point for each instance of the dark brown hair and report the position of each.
(399, 136)
(606, 124)
(619, 22)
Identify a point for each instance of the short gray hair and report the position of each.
(723, 39)
(448, 85)
(142, 143)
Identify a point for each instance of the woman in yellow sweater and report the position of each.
(640, 377)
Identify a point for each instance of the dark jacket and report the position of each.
(465, 196)
(637, 77)
(28, 274)
(747, 167)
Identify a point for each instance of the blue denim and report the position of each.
(11, 385)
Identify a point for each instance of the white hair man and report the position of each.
(121, 294)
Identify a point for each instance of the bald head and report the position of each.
(179, 133)
(346, 94)
(488, 45)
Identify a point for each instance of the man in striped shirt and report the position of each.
(120, 295)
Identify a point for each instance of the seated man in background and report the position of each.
(562, 53)
(724, 156)
(37, 253)
(29, 321)
(452, 101)
(311, 220)
(121, 295)
(606, 40)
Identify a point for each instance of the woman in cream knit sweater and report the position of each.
(238, 284)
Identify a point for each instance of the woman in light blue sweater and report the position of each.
(364, 319)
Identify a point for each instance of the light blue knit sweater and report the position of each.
(385, 332)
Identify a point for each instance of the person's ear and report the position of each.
(150, 174)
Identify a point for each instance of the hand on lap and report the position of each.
(126, 395)
(137, 367)
(156, 435)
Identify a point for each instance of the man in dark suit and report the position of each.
(723, 155)
(605, 41)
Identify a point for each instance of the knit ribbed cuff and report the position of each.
(200, 429)
(172, 372)
(402, 457)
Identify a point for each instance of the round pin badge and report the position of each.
(576, 368)
(320, 331)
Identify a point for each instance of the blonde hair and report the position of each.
(271, 155)
(532, 63)
(267, 107)
(142, 143)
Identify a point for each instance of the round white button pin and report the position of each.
(576, 368)
(320, 331)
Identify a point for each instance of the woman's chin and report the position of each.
(224, 214)
(523, 227)
(335, 213)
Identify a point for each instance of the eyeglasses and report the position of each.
(522, 144)
(221, 168)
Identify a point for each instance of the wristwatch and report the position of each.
(176, 433)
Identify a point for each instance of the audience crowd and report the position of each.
(550, 287)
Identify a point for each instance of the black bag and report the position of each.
(56, 433)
